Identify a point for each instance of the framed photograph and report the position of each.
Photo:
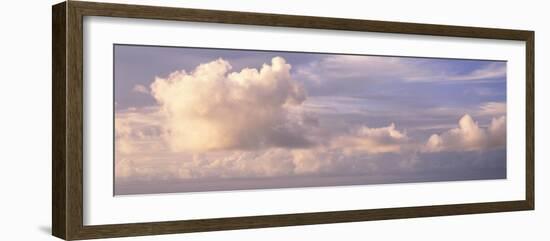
(171, 120)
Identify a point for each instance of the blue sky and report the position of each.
(399, 119)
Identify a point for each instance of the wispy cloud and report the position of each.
(492, 109)
(140, 89)
(489, 72)
(379, 68)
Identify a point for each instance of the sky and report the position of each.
(198, 119)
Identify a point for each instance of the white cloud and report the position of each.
(138, 132)
(378, 68)
(372, 140)
(468, 136)
(497, 131)
(141, 152)
(265, 163)
(374, 68)
(212, 108)
(489, 72)
(140, 89)
(358, 151)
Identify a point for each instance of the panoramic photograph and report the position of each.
(192, 119)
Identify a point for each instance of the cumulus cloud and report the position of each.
(379, 155)
(469, 136)
(138, 131)
(372, 140)
(142, 152)
(138, 143)
(212, 108)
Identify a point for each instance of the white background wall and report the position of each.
(25, 123)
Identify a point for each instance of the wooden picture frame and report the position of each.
(67, 123)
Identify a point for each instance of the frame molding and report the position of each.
(67, 121)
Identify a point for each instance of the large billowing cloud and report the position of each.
(469, 136)
(212, 108)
